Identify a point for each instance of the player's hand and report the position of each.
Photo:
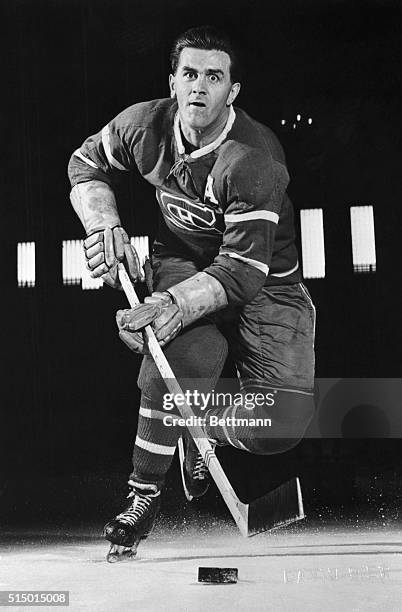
(160, 311)
(103, 251)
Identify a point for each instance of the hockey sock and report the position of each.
(155, 444)
(263, 430)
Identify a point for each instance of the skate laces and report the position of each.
(200, 470)
(137, 509)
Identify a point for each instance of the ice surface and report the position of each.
(304, 567)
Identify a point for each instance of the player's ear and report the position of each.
(233, 94)
(171, 86)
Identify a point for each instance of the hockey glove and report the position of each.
(159, 311)
(170, 311)
(104, 249)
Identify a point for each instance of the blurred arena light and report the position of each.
(312, 240)
(141, 245)
(87, 282)
(26, 264)
(74, 270)
(363, 238)
(72, 261)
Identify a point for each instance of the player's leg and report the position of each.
(196, 356)
(273, 345)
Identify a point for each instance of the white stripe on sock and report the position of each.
(157, 449)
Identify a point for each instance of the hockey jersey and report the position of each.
(224, 206)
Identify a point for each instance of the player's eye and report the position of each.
(213, 78)
(190, 75)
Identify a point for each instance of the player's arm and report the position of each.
(91, 172)
(255, 194)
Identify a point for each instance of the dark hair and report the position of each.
(208, 38)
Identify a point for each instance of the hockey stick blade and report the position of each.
(278, 508)
(274, 509)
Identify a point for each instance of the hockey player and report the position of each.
(225, 269)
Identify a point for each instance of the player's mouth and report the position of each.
(198, 104)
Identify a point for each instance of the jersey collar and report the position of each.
(209, 147)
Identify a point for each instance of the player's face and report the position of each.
(203, 88)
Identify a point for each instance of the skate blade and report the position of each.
(180, 445)
(120, 553)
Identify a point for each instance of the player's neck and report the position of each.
(202, 138)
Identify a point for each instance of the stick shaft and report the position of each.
(238, 509)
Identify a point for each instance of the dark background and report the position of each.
(69, 397)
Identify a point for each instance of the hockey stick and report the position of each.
(277, 508)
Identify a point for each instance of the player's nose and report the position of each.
(200, 84)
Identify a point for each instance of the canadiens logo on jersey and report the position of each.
(193, 215)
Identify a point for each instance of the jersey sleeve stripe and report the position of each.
(262, 267)
(151, 447)
(287, 273)
(82, 157)
(106, 145)
(267, 215)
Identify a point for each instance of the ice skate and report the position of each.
(194, 473)
(134, 524)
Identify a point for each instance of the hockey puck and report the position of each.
(218, 575)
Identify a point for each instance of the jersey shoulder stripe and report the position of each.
(86, 160)
(108, 150)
